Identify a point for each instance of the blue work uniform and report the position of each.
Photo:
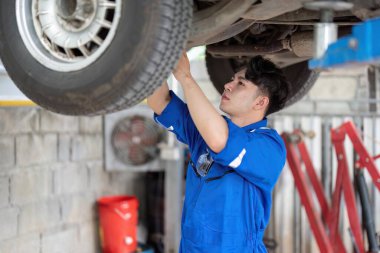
(228, 209)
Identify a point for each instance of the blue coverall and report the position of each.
(228, 209)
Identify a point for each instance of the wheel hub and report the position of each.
(67, 35)
(75, 15)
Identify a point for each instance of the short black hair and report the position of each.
(270, 81)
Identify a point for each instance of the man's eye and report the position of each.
(241, 83)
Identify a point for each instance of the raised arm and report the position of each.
(159, 99)
(210, 124)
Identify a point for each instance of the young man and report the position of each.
(235, 161)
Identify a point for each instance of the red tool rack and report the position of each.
(325, 225)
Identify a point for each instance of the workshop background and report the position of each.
(52, 168)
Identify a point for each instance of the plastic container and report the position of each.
(118, 216)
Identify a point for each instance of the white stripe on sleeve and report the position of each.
(237, 161)
(171, 128)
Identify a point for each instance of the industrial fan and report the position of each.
(132, 139)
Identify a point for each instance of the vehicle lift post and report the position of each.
(359, 48)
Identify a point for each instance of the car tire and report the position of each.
(300, 78)
(145, 47)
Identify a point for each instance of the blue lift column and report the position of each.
(360, 48)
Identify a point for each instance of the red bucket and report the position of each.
(118, 223)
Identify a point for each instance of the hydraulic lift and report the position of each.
(361, 47)
(325, 226)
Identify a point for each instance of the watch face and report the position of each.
(134, 140)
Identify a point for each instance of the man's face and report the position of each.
(239, 95)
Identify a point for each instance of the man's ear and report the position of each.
(261, 102)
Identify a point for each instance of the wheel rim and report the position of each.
(67, 35)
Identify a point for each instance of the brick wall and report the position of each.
(51, 173)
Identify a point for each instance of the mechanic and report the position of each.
(235, 160)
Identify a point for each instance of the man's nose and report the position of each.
(228, 86)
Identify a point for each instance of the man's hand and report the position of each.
(182, 71)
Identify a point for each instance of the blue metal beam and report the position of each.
(362, 47)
